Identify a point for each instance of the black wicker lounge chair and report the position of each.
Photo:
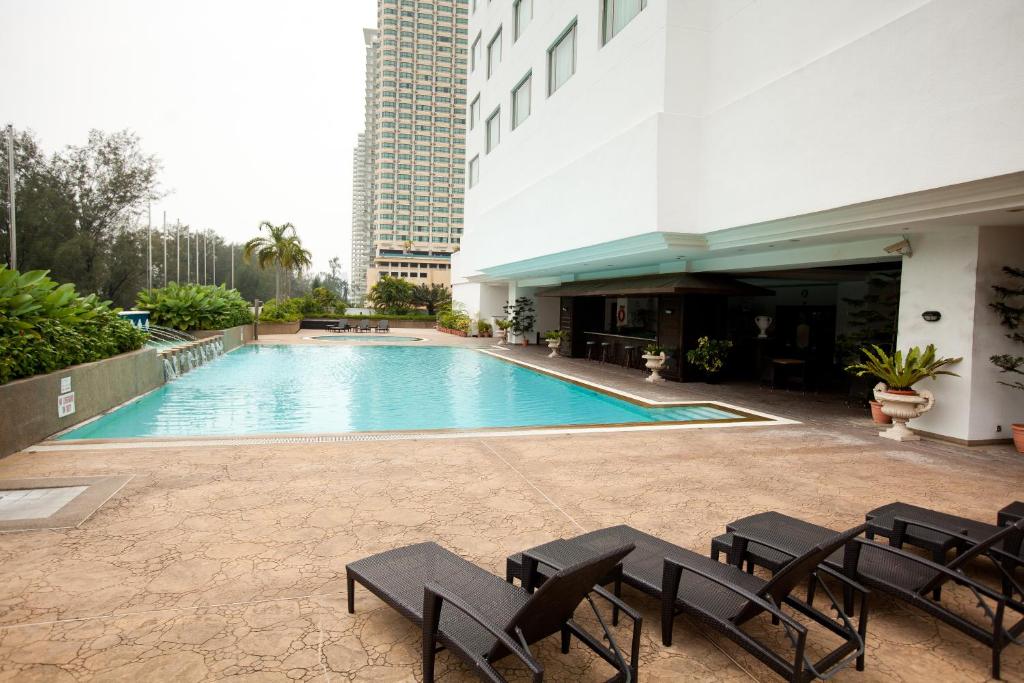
(481, 618)
(725, 597)
(384, 326)
(363, 326)
(909, 577)
(339, 326)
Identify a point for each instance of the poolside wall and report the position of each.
(28, 407)
(233, 336)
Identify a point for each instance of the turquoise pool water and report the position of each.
(363, 337)
(287, 389)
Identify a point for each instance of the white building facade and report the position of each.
(363, 178)
(744, 138)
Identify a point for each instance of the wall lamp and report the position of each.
(931, 316)
(902, 248)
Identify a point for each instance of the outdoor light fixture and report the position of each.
(931, 316)
(902, 248)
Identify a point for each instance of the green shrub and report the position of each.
(285, 311)
(454, 320)
(194, 307)
(45, 326)
(483, 328)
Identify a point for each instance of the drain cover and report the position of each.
(35, 503)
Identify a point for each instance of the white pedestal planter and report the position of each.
(655, 364)
(902, 407)
(553, 344)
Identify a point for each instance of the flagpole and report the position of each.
(177, 240)
(165, 248)
(149, 245)
(215, 259)
(206, 253)
(232, 265)
(11, 211)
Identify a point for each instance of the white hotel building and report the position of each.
(695, 163)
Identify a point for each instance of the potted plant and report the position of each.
(898, 375)
(521, 317)
(554, 339)
(1011, 313)
(484, 329)
(709, 356)
(655, 357)
(503, 327)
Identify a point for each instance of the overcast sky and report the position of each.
(253, 106)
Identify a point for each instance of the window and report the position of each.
(494, 129)
(521, 101)
(562, 59)
(618, 13)
(493, 53)
(474, 55)
(474, 112)
(474, 170)
(522, 11)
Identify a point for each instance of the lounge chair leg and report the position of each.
(566, 637)
(617, 591)
(351, 584)
(862, 627)
(812, 586)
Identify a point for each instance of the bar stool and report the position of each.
(628, 356)
(590, 350)
(605, 348)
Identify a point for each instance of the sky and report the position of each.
(252, 106)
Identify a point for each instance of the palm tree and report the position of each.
(432, 297)
(280, 248)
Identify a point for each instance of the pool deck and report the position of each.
(227, 562)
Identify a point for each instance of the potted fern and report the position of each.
(1009, 306)
(709, 356)
(655, 359)
(554, 339)
(898, 374)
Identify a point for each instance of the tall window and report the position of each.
(522, 10)
(474, 55)
(494, 129)
(474, 170)
(493, 53)
(562, 59)
(474, 112)
(618, 13)
(521, 101)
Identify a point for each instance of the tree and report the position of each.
(280, 248)
(391, 294)
(431, 297)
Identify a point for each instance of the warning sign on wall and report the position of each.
(66, 404)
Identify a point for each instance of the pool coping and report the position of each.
(746, 417)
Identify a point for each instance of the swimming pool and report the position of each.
(367, 337)
(289, 389)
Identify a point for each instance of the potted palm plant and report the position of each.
(503, 327)
(521, 316)
(655, 357)
(898, 374)
(554, 339)
(709, 356)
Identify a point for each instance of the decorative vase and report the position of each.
(655, 364)
(1018, 436)
(553, 344)
(763, 322)
(903, 405)
(502, 336)
(877, 416)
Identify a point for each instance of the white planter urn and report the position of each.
(763, 322)
(902, 407)
(655, 364)
(502, 336)
(553, 344)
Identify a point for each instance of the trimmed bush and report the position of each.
(45, 327)
(454, 320)
(194, 307)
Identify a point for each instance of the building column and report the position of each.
(952, 271)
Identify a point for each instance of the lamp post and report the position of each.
(177, 240)
(11, 211)
(165, 248)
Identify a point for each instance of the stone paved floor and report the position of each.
(228, 562)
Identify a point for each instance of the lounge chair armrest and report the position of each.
(843, 578)
(433, 589)
(937, 528)
(762, 542)
(774, 610)
(610, 597)
(955, 576)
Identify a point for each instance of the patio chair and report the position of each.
(481, 618)
(339, 326)
(363, 326)
(725, 597)
(911, 578)
(383, 326)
